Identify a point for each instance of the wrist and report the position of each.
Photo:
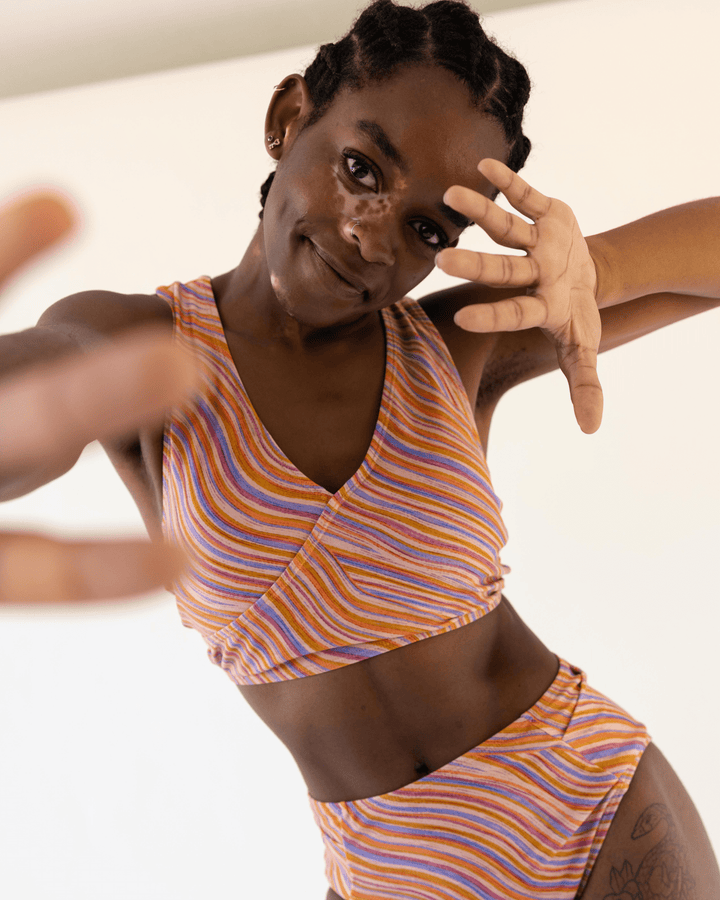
(607, 291)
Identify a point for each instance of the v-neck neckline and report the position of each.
(387, 322)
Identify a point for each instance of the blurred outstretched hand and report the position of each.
(51, 411)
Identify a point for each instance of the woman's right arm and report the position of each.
(53, 401)
(74, 327)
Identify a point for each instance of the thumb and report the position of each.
(585, 389)
(587, 401)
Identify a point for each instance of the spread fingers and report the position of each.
(499, 224)
(521, 196)
(491, 269)
(513, 314)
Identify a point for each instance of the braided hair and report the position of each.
(446, 33)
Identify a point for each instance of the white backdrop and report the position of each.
(130, 767)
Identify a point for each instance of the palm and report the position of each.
(557, 273)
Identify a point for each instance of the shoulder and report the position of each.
(92, 316)
(489, 364)
(656, 844)
(470, 351)
(79, 322)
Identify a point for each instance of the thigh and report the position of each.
(657, 846)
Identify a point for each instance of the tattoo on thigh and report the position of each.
(664, 872)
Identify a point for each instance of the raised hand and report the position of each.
(50, 411)
(557, 273)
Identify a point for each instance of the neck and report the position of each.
(249, 306)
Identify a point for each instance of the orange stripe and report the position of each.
(287, 580)
(522, 816)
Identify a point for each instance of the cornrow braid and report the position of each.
(446, 33)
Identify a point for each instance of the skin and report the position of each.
(285, 304)
(559, 277)
(84, 398)
(307, 343)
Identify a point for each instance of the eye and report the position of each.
(361, 170)
(430, 234)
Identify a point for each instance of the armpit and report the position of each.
(505, 371)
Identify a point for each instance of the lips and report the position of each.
(351, 279)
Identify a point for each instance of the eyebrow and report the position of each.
(454, 216)
(378, 136)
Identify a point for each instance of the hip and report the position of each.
(522, 814)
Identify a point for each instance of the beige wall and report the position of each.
(131, 767)
(50, 44)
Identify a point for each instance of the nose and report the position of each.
(373, 238)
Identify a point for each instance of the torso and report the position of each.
(375, 725)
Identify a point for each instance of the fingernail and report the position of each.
(460, 319)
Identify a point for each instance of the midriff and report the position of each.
(374, 726)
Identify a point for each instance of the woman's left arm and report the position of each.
(674, 251)
(584, 295)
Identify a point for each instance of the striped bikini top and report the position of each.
(286, 579)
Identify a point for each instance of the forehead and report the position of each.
(430, 120)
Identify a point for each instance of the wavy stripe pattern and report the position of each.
(520, 817)
(287, 579)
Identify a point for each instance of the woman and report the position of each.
(357, 469)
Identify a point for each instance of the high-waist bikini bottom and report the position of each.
(522, 815)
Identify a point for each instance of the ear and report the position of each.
(290, 104)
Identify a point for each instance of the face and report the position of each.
(382, 156)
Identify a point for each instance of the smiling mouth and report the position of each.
(328, 263)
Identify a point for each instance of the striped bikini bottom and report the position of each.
(523, 815)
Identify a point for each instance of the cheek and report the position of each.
(377, 211)
(328, 194)
(296, 189)
(316, 194)
(346, 204)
